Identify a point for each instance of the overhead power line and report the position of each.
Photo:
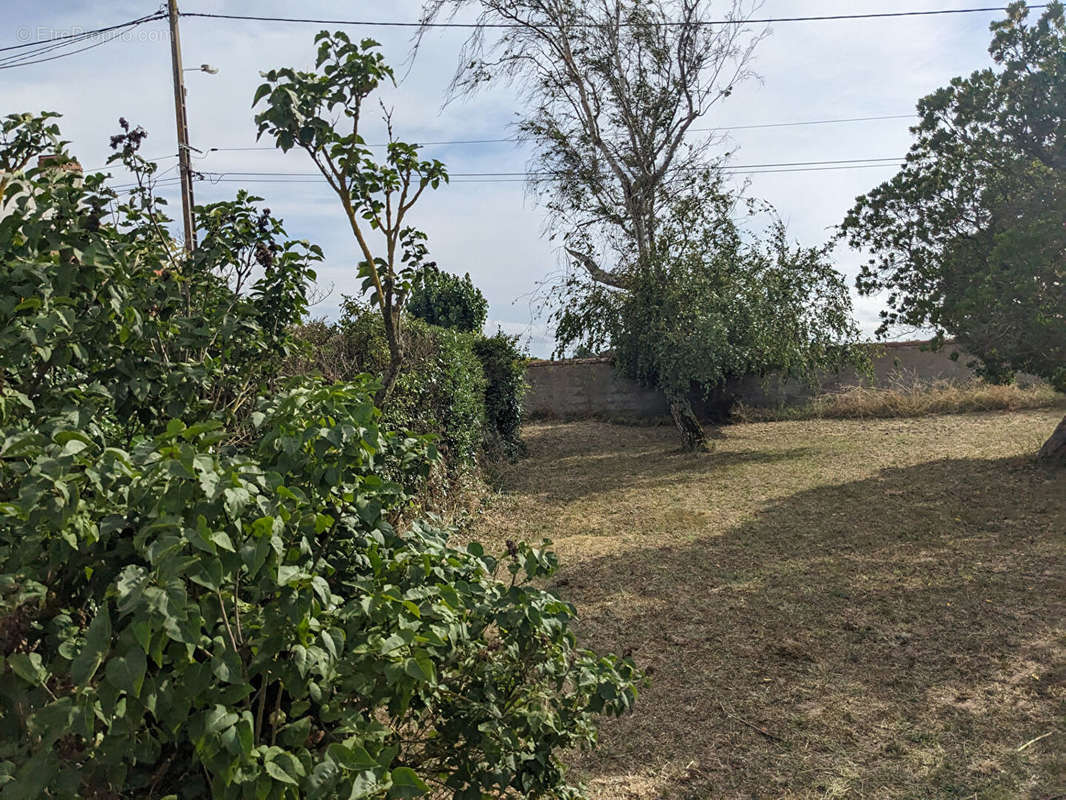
(507, 25)
(28, 53)
(28, 59)
(549, 174)
(300, 178)
(695, 130)
(518, 177)
(84, 34)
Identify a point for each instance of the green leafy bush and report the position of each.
(504, 365)
(440, 390)
(182, 621)
(98, 310)
(203, 589)
(463, 388)
(448, 301)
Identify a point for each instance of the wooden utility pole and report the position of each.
(183, 129)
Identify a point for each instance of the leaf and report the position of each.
(406, 783)
(295, 733)
(97, 644)
(142, 633)
(28, 666)
(321, 587)
(245, 735)
(260, 93)
(221, 538)
(226, 666)
(278, 774)
(420, 668)
(300, 659)
(127, 672)
(287, 573)
(219, 719)
(354, 757)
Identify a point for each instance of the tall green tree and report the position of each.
(968, 238)
(305, 109)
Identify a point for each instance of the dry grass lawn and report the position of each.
(827, 608)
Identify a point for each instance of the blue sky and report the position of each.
(494, 231)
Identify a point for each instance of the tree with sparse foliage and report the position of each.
(304, 109)
(968, 238)
(615, 89)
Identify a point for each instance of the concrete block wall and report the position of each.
(590, 387)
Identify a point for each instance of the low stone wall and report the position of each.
(590, 387)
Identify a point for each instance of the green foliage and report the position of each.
(968, 236)
(301, 110)
(448, 301)
(443, 387)
(464, 389)
(504, 366)
(190, 622)
(98, 311)
(202, 589)
(440, 390)
(714, 304)
(22, 138)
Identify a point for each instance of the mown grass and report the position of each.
(909, 400)
(827, 608)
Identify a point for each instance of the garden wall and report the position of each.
(590, 387)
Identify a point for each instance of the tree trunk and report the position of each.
(1054, 449)
(392, 338)
(693, 439)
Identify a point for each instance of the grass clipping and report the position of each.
(914, 400)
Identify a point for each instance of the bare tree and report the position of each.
(614, 89)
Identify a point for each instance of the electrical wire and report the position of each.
(755, 126)
(86, 34)
(218, 178)
(119, 164)
(511, 25)
(175, 181)
(26, 63)
(64, 46)
(527, 174)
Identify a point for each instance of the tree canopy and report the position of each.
(714, 302)
(446, 300)
(303, 109)
(968, 237)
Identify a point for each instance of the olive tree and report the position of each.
(968, 236)
(321, 113)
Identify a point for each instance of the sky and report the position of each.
(495, 231)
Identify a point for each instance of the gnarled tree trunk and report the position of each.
(1054, 449)
(693, 438)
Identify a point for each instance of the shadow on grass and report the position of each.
(899, 636)
(581, 465)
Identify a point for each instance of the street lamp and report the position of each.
(203, 68)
